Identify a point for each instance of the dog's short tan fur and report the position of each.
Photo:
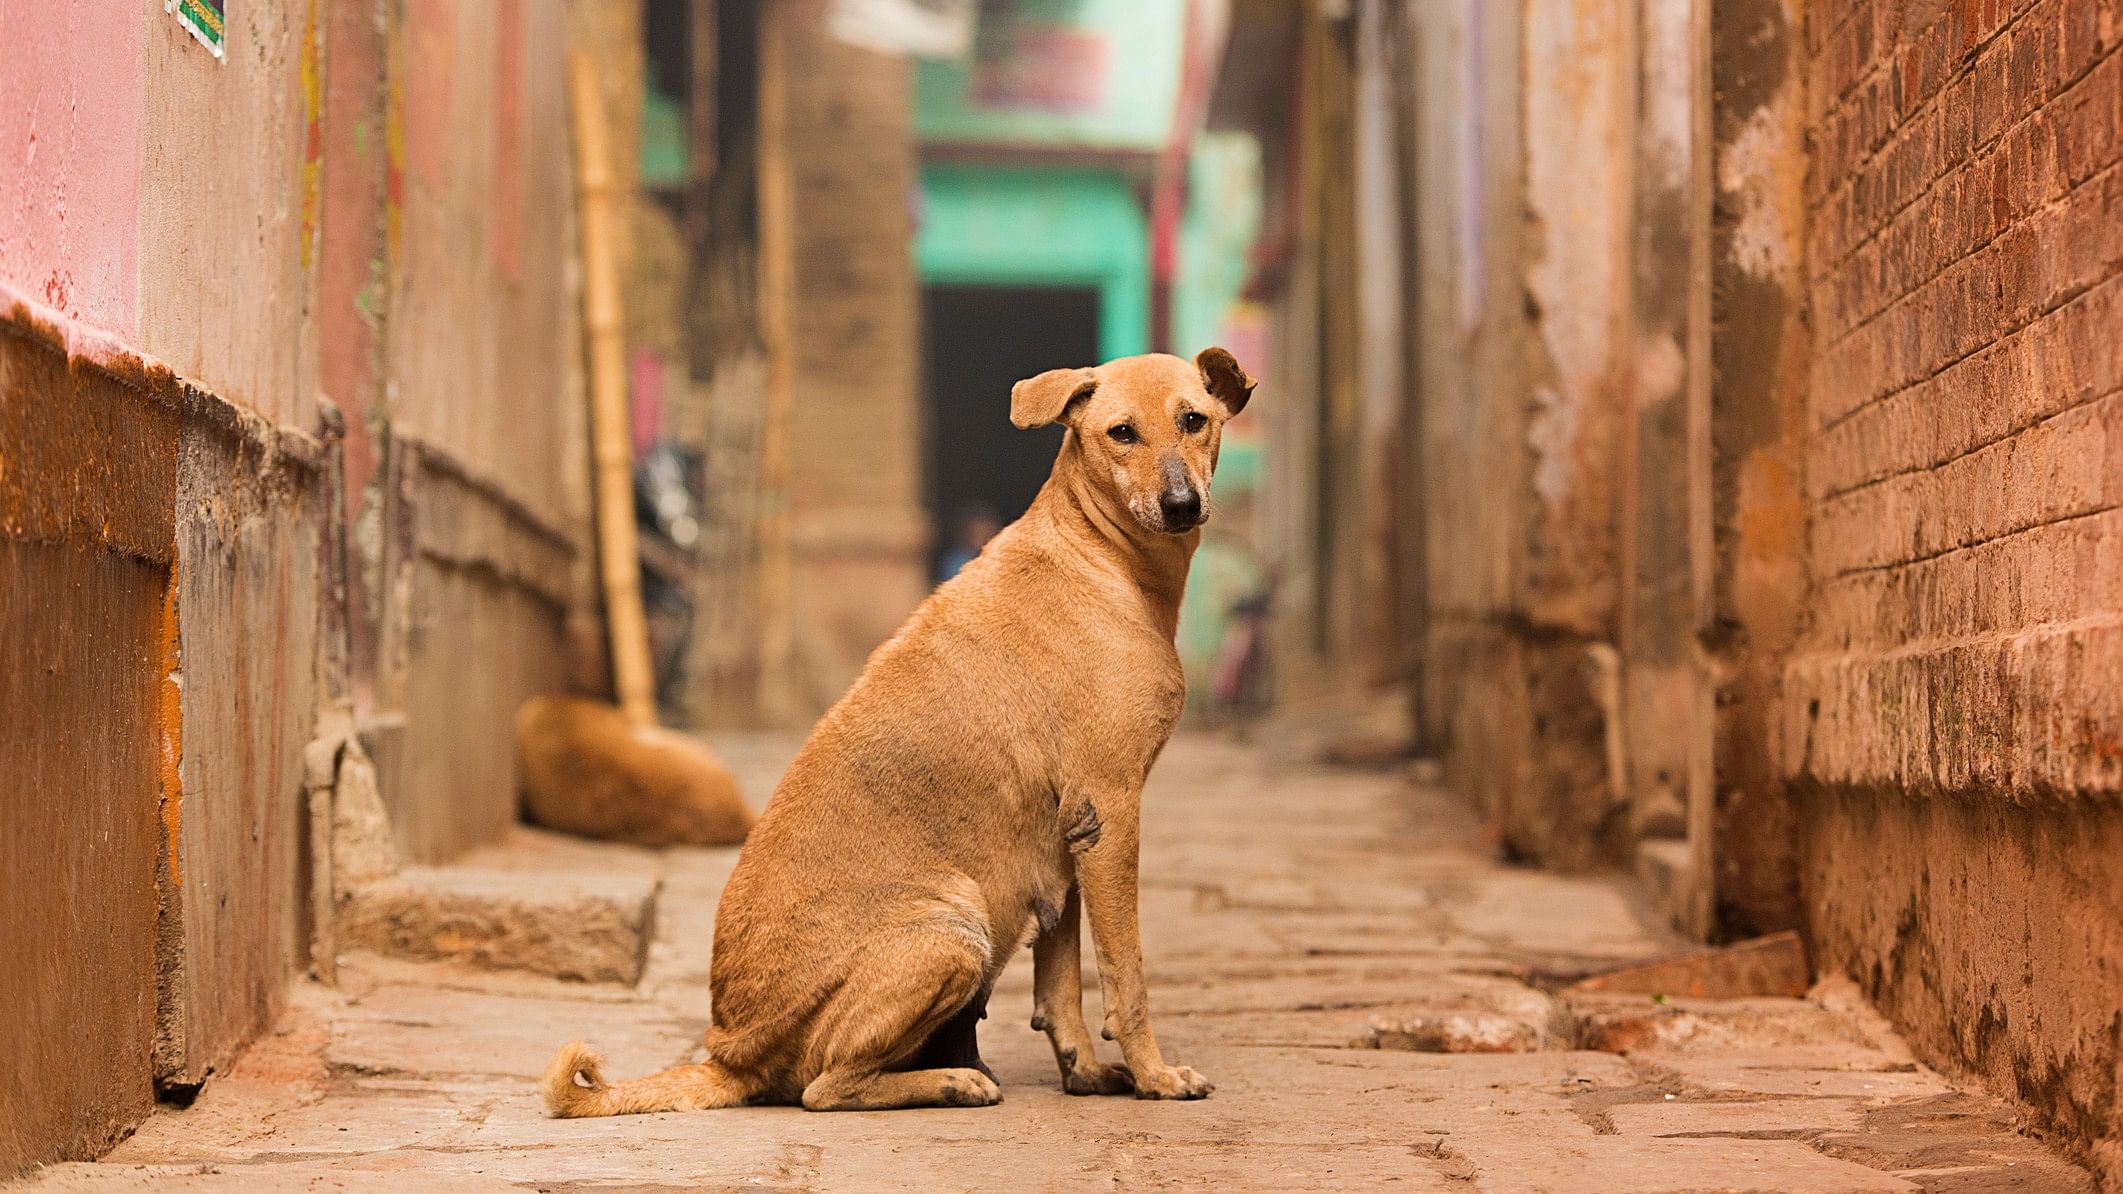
(980, 782)
(586, 769)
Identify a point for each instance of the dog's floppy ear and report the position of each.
(1038, 401)
(1225, 381)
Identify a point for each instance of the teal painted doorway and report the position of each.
(978, 341)
(1022, 270)
(1041, 227)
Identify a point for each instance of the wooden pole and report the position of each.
(619, 555)
(777, 300)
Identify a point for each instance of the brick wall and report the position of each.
(1953, 718)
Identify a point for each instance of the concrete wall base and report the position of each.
(1991, 933)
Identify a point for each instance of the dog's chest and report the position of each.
(1137, 689)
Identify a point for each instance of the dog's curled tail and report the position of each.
(574, 1087)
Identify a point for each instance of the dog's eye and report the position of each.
(1193, 421)
(1121, 433)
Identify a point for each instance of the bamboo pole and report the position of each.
(777, 298)
(619, 555)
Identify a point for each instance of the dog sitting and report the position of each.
(980, 783)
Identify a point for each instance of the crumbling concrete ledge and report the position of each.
(590, 928)
(533, 902)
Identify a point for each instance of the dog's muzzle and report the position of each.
(1180, 504)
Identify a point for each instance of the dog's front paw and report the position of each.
(1172, 1082)
(1098, 1078)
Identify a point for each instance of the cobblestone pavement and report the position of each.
(1310, 933)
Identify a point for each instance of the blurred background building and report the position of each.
(1692, 423)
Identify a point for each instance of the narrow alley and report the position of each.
(1311, 934)
(1620, 501)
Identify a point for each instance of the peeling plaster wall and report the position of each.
(232, 931)
(1380, 435)
(484, 595)
(207, 269)
(1953, 712)
(1759, 346)
(169, 510)
(227, 233)
(108, 453)
(1526, 236)
(481, 418)
(1664, 731)
(353, 184)
(1579, 143)
(481, 227)
(227, 208)
(1469, 228)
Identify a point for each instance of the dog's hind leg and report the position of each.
(956, 1043)
(898, 996)
(856, 1090)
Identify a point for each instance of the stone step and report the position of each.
(528, 904)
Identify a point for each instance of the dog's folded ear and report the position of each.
(1038, 401)
(1225, 381)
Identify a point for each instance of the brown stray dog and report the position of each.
(980, 782)
(587, 770)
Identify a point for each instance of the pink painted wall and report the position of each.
(72, 126)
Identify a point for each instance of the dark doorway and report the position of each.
(978, 342)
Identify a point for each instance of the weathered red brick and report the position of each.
(1964, 477)
(2049, 472)
(2070, 357)
(1941, 136)
(2029, 269)
(2058, 573)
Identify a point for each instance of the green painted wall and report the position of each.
(1216, 234)
(1095, 74)
(665, 154)
(1217, 230)
(1033, 226)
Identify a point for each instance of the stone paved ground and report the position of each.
(1305, 927)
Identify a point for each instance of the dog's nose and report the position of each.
(1182, 507)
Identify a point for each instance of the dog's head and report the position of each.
(1143, 428)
